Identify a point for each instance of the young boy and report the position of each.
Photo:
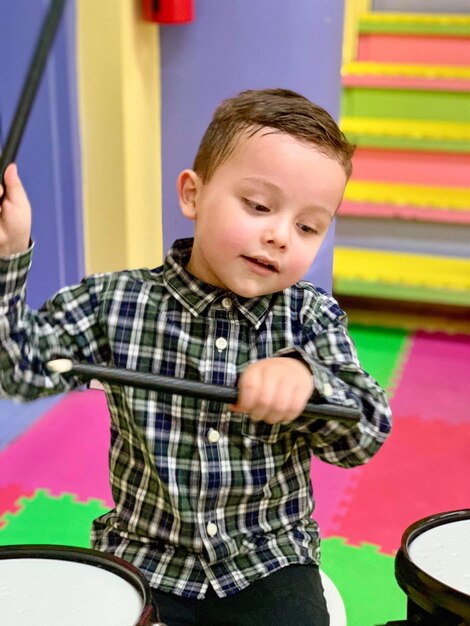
(213, 502)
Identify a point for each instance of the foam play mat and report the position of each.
(54, 478)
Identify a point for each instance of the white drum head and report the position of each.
(432, 567)
(36, 591)
(443, 552)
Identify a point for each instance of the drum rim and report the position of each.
(426, 591)
(88, 556)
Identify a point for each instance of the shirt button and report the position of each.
(213, 436)
(211, 529)
(227, 304)
(327, 390)
(221, 343)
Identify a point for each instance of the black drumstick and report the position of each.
(179, 386)
(31, 84)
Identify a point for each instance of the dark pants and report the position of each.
(292, 596)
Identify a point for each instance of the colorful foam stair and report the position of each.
(427, 278)
(54, 477)
(406, 105)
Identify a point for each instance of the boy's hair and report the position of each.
(281, 109)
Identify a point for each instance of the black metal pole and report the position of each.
(31, 84)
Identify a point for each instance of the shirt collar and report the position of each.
(196, 295)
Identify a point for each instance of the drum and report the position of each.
(432, 567)
(57, 585)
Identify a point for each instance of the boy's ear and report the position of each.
(188, 184)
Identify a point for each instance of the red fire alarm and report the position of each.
(168, 11)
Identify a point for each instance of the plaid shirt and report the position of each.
(202, 495)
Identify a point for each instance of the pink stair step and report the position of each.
(412, 167)
(388, 211)
(414, 49)
(418, 83)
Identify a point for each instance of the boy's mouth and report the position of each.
(263, 263)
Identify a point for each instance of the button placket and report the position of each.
(213, 435)
(221, 344)
(214, 431)
(227, 303)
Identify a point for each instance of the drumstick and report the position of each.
(196, 389)
(31, 84)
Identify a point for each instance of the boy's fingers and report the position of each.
(12, 182)
(14, 191)
(247, 390)
(259, 396)
(266, 401)
(11, 172)
(4, 182)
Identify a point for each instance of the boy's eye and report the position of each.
(259, 208)
(308, 230)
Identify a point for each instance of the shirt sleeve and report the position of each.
(339, 379)
(67, 325)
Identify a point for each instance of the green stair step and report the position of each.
(452, 106)
(415, 24)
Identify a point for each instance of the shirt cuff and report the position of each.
(329, 389)
(13, 273)
(327, 386)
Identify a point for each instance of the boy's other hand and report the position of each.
(15, 214)
(274, 390)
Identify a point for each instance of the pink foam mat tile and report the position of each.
(421, 470)
(332, 488)
(66, 451)
(435, 378)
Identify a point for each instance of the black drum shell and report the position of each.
(113, 564)
(446, 604)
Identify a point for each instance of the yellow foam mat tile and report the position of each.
(399, 194)
(371, 68)
(396, 268)
(421, 129)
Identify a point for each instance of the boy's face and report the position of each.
(261, 218)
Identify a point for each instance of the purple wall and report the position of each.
(48, 157)
(243, 44)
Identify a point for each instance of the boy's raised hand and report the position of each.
(15, 214)
(274, 390)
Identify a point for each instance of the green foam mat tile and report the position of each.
(380, 351)
(366, 581)
(48, 519)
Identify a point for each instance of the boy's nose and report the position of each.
(277, 236)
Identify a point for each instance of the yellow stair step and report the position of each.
(421, 129)
(412, 270)
(379, 17)
(400, 194)
(371, 68)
